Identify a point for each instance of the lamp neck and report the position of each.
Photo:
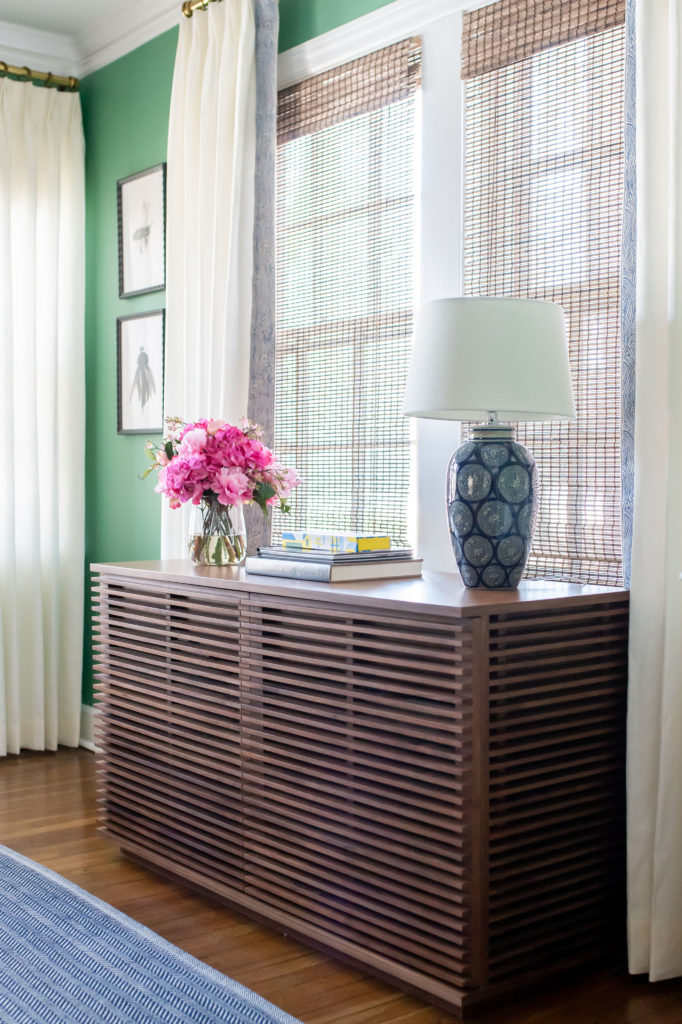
(493, 430)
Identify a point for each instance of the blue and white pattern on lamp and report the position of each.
(68, 958)
(492, 506)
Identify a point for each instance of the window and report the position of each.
(345, 290)
(542, 219)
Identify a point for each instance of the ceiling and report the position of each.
(79, 36)
(66, 17)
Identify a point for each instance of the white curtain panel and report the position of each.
(211, 161)
(655, 695)
(42, 406)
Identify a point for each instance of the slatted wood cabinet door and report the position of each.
(425, 781)
(357, 787)
(169, 721)
(556, 794)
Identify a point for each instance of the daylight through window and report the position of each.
(345, 290)
(543, 211)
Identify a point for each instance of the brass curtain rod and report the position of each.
(69, 84)
(190, 6)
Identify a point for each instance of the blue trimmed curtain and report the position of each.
(653, 489)
(220, 266)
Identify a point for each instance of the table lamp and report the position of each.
(501, 361)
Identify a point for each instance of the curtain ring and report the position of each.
(27, 71)
(4, 68)
(73, 83)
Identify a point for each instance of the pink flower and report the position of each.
(183, 479)
(288, 480)
(193, 441)
(282, 479)
(231, 487)
(256, 454)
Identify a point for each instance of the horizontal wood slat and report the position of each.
(167, 665)
(565, 680)
(439, 799)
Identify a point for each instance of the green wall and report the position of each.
(125, 118)
(300, 20)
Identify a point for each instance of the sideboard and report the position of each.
(424, 780)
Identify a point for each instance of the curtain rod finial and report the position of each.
(190, 6)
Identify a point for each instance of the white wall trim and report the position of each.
(380, 28)
(133, 23)
(38, 50)
(87, 737)
(123, 29)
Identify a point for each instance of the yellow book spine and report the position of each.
(342, 542)
(373, 543)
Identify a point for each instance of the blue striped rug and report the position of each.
(68, 958)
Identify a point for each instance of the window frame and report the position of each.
(439, 232)
(439, 273)
(348, 328)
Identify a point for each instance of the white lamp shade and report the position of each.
(473, 356)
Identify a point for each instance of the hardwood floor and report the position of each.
(47, 811)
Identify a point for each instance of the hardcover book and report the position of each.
(334, 557)
(325, 572)
(334, 541)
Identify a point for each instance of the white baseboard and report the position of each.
(87, 737)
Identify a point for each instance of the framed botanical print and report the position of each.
(142, 232)
(139, 345)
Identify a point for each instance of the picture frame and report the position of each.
(141, 200)
(139, 362)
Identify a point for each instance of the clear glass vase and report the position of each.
(217, 534)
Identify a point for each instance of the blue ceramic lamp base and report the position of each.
(492, 507)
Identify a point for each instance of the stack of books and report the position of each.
(334, 558)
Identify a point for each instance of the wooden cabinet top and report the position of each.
(434, 593)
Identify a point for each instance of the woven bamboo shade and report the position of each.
(543, 203)
(377, 80)
(345, 240)
(512, 30)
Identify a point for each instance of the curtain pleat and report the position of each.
(655, 688)
(211, 162)
(42, 402)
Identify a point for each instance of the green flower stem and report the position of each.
(219, 542)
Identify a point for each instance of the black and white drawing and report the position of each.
(141, 232)
(140, 372)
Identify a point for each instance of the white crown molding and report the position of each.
(135, 22)
(382, 27)
(123, 29)
(38, 50)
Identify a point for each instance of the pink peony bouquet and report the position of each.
(219, 467)
(211, 458)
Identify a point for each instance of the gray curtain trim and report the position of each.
(261, 407)
(628, 292)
